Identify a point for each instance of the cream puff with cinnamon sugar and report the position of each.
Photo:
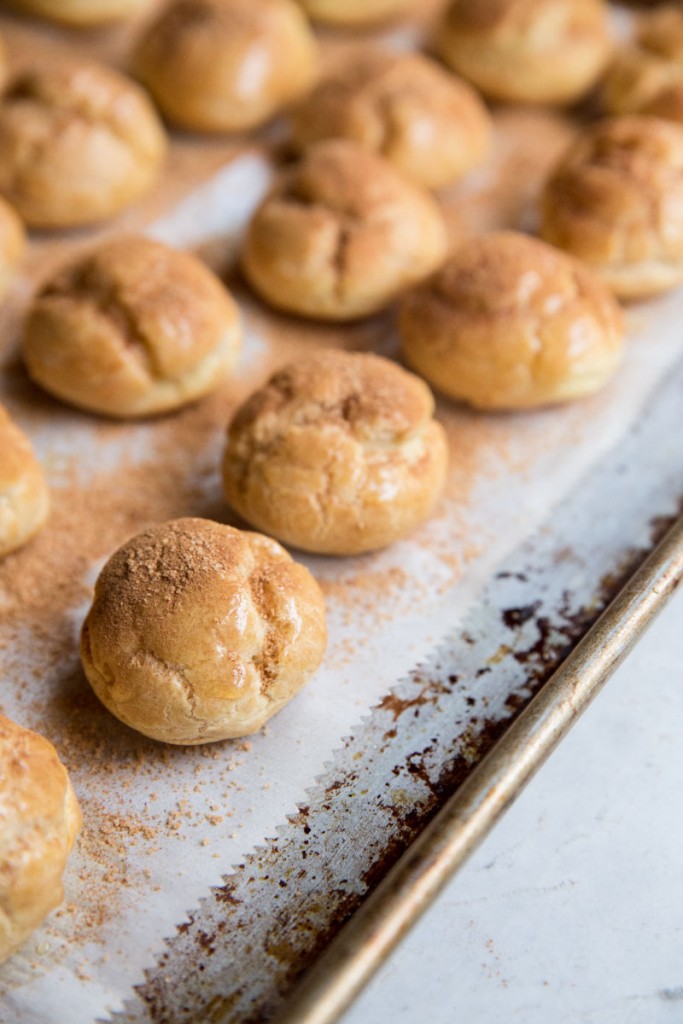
(39, 821)
(430, 125)
(341, 235)
(78, 143)
(511, 323)
(615, 201)
(199, 632)
(24, 497)
(527, 51)
(226, 65)
(337, 454)
(134, 328)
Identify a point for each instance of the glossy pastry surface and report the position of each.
(199, 632)
(226, 65)
(510, 323)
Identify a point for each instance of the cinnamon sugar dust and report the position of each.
(141, 800)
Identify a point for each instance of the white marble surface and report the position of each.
(572, 910)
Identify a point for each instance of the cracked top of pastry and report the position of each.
(338, 453)
(511, 323)
(78, 142)
(341, 234)
(133, 328)
(201, 632)
(405, 107)
(615, 200)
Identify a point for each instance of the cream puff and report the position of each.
(226, 65)
(431, 125)
(78, 143)
(527, 51)
(511, 323)
(616, 201)
(134, 328)
(199, 632)
(338, 454)
(341, 234)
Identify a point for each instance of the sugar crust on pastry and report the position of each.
(338, 454)
(199, 632)
(39, 821)
(79, 12)
(616, 201)
(134, 328)
(78, 143)
(527, 51)
(24, 498)
(341, 234)
(226, 65)
(431, 125)
(511, 323)
(354, 13)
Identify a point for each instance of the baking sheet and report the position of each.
(163, 825)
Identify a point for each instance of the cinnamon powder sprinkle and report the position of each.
(136, 475)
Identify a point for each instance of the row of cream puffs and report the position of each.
(424, 120)
(507, 322)
(545, 51)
